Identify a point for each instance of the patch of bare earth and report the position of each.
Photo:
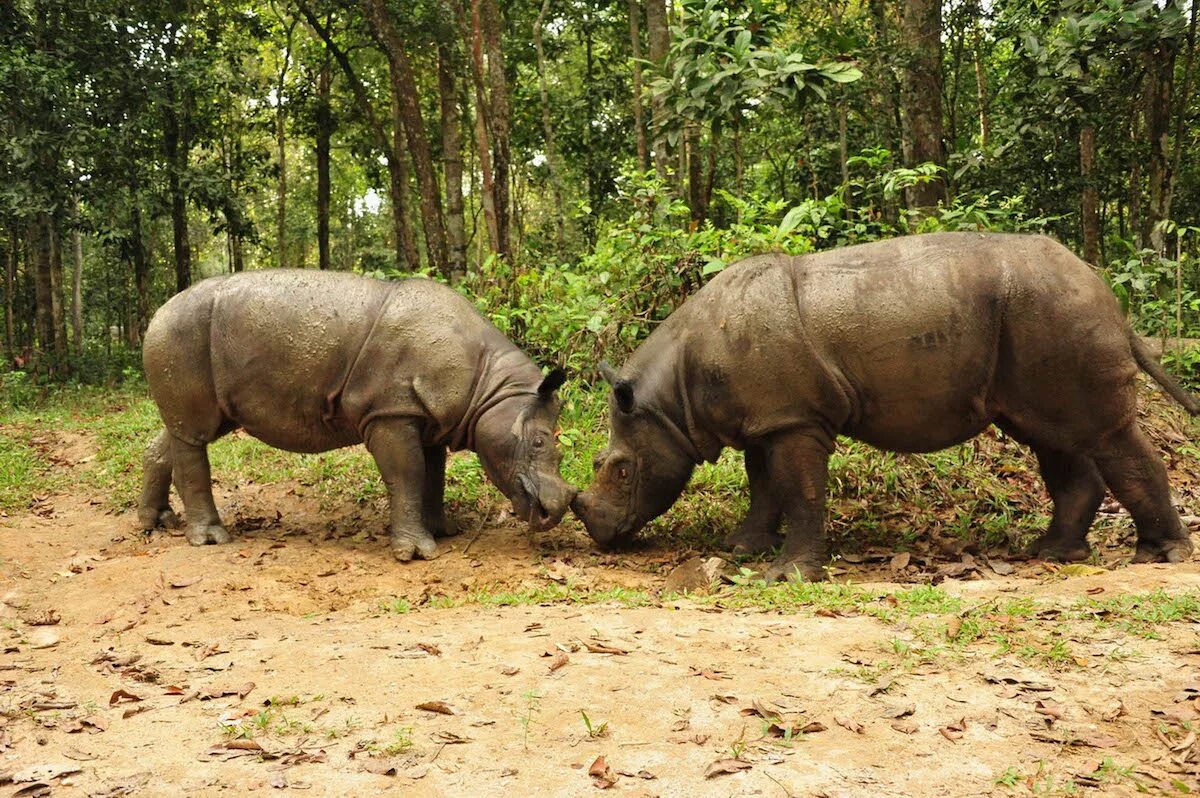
(138, 665)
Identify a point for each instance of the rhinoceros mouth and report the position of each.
(529, 506)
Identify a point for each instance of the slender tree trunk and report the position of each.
(474, 35)
(57, 310)
(404, 89)
(324, 126)
(1160, 69)
(657, 43)
(10, 287)
(985, 123)
(77, 279)
(548, 127)
(1090, 201)
(499, 119)
(177, 143)
(42, 283)
(695, 172)
(635, 44)
(1136, 229)
(399, 188)
(363, 99)
(921, 25)
(141, 266)
(281, 148)
(452, 163)
(1181, 112)
(843, 148)
(887, 122)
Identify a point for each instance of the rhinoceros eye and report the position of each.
(623, 473)
(539, 442)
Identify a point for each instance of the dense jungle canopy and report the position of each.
(576, 166)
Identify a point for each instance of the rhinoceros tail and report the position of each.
(1148, 364)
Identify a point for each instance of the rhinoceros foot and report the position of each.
(1170, 550)
(150, 518)
(795, 570)
(747, 540)
(1053, 547)
(200, 534)
(413, 544)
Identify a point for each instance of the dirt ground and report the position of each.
(299, 657)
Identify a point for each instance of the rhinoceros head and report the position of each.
(516, 444)
(638, 476)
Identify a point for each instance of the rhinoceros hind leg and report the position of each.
(1076, 488)
(797, 468)
(193, 480)
(154, 508)
(759, 530)
(1137, 477)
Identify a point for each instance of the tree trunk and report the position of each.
(57, 311)
(10, 287)
(1180, 115)
(363, 99)
(141, 266)
(635, 44)
(281, 148)
(43, 288)
(499, 119)
(77, 279)
(324, 123)
(399, 188)
(1090, 203)
(695, 172)
(474, 35)
(985, 123)
(404, 90)
(921, 24)
(548, 127)
(452, 163)
(1160, 70)
(177, 143)
(657, 43)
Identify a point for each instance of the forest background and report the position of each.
(577, 167)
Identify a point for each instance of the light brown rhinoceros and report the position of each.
(309, 361)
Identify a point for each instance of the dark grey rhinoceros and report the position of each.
(912, 345)
(309, 361)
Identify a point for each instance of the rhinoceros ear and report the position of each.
(608, 372)
(552, 382)
(623, 390)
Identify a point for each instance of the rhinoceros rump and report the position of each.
(912, 345)
(310, 361)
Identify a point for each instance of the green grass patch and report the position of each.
(24, 474)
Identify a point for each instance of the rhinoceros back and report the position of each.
(275, 351)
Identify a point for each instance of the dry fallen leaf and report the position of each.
(187, 582)
(439, 707)
(379, 767)
(849, 723)
(901, 561)
(905, 726)
(559, 660)
(602, 775)
(122, 695)
(1050, 709)
(596, 647)
(723, 766)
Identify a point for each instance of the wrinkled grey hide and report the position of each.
(911, 345)
(310, 361)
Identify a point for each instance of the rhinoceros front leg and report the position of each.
(1076, 488)
(797, 467)
(759, 530)
(433, 494)
(154, 508)
(193, 479)
(395, 443)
